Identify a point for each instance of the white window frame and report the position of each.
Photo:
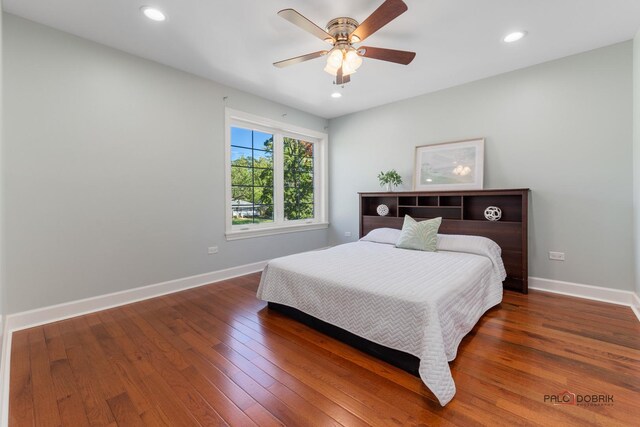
(320, 169)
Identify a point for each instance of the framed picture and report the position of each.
(449, 166)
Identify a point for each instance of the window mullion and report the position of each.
(278, 178)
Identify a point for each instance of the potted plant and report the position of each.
(391, 179)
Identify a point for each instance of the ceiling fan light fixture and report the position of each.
(334, 59)
(347, 69)
(331, 70)
(353, 60)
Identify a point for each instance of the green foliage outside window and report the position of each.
(252, 183)
(298, 179)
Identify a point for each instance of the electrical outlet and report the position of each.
(556, 256)
(347, 234)
(213, 250)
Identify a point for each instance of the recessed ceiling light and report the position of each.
(514, 37)
(336, 95)
(153, 13)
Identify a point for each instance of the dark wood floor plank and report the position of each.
(124, 411)
(251, 390)
(133, 362)
(370, 396)
(216, 398)
(45, 401)
(170, 322)
(240, 398)
(130, 367)
(292, 391)
(70, 405)
(335, 350)
(133, 367)
(93, 397)
(168, 363)
(21, 411)
(196, 313)
(309, 366)
(221, 403)
(246, 382)
(55, 345)
(173, 409)
(109, 384)
(215, 355)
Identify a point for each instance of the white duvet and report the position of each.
(422, 303)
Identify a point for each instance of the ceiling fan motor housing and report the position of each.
(340, 28)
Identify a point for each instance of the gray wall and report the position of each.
(563, 129)
(636, 156)
(115, 170)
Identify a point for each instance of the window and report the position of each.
(298, 179)
(251, 176)
(276, 177)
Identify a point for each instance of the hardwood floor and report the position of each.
(216, 356)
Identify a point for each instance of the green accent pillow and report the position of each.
(421, 236)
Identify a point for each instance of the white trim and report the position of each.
(635, 305)
(590, 292)
(252, 119)
(259, 232)
(321, 171)
(278, 182)
(41, 316)
(228, 214)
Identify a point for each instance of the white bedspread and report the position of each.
(422, 303)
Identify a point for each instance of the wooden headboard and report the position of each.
(462, 212)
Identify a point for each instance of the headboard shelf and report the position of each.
(462, 213)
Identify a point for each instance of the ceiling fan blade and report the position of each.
(302, 22)
(391, 55)
(387, 12)
(299, 59)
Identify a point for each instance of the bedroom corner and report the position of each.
(4, 344)
(636, 168)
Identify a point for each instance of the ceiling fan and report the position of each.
(343, 59)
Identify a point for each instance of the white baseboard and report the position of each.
(635, 305)
(596, 293)
(41, 316)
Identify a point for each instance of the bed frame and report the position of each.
(462, 213)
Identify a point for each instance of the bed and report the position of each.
(402, 299)
(409, 308)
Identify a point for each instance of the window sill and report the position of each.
(271, 231)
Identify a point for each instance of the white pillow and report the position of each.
(383, 235)
(477, 245)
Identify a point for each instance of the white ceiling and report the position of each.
(234, 42)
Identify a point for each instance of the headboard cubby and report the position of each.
(462, 212)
